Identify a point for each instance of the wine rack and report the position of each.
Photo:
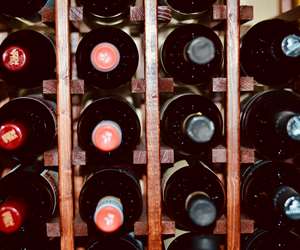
(68, 155)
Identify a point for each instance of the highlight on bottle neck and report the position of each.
(14, 58)
(12, 135)
(107, 136)
(12, 215)
(287, 200)
(199, 128)
(201, 210)
(105, 57)
(201, 50)
(109, 215)
(290, 45)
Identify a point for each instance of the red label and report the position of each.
(12, 136)
(14, 58)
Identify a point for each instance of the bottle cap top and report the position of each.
(201, 50)
(11, 216)
(292, 208)
(199, 128)
(14, 58)
(107, 136)
(12, 135)
(293, 127)
(105, 57)
(202, 211)
(109, 215)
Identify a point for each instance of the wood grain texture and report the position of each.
(152, 127)
(247, 226)
(219, 155)
(220, 10)
(233, 125)
(163, 14)
(64, 124)
(51, 157)
(75, 14)
(246, 84)
(164, 85)
(50, 87)
(286, 5)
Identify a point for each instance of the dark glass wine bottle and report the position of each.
(27, 58)
(270, 52)
(192, 54)
(189, 8)
(107, 10)
(127, 242)
(275, 240)
(270, 122)
(22, 8)
(191, 123)
(193, 195)
(270, 194)
(111, 199)
(27, 126)
(108, 126)
(28, 195)
(194, 241)
(107, 57)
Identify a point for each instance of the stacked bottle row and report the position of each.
(191, 123)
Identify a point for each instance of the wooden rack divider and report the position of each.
(155, 225)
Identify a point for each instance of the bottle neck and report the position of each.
(199, 128)
(201, 209)
(287, 201)
(287, 123)
(290, 46)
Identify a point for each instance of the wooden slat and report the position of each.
(220, 10)
(247, 226)
(152, 127)
(140, 155)
(64, 124)
(233, 125)
(286, 5)
(137, 14)
(78, 157)
(219, 84)
(164, 85)
(219, 155)
(50, 87)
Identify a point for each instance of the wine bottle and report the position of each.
(192, 54)
(106, 10)
(108, 126)
(194, 241)
(107, 57)
(275, 240)
(270, 52)
(189, 8)
(191, 123)
(111, 199)
(270, 194)
(193, 195)
(28, 195)
(27, 126)
(270, 122)
(127, 242)
(23, 8)
(27, 58)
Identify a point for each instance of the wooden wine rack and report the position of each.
(152, 222)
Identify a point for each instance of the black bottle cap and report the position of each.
(287, 200)
(199, 128)
(201, 50)
(201, 210)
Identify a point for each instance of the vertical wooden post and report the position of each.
(152, 126)
(233, 125)
(286, 5)
(64, 124)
